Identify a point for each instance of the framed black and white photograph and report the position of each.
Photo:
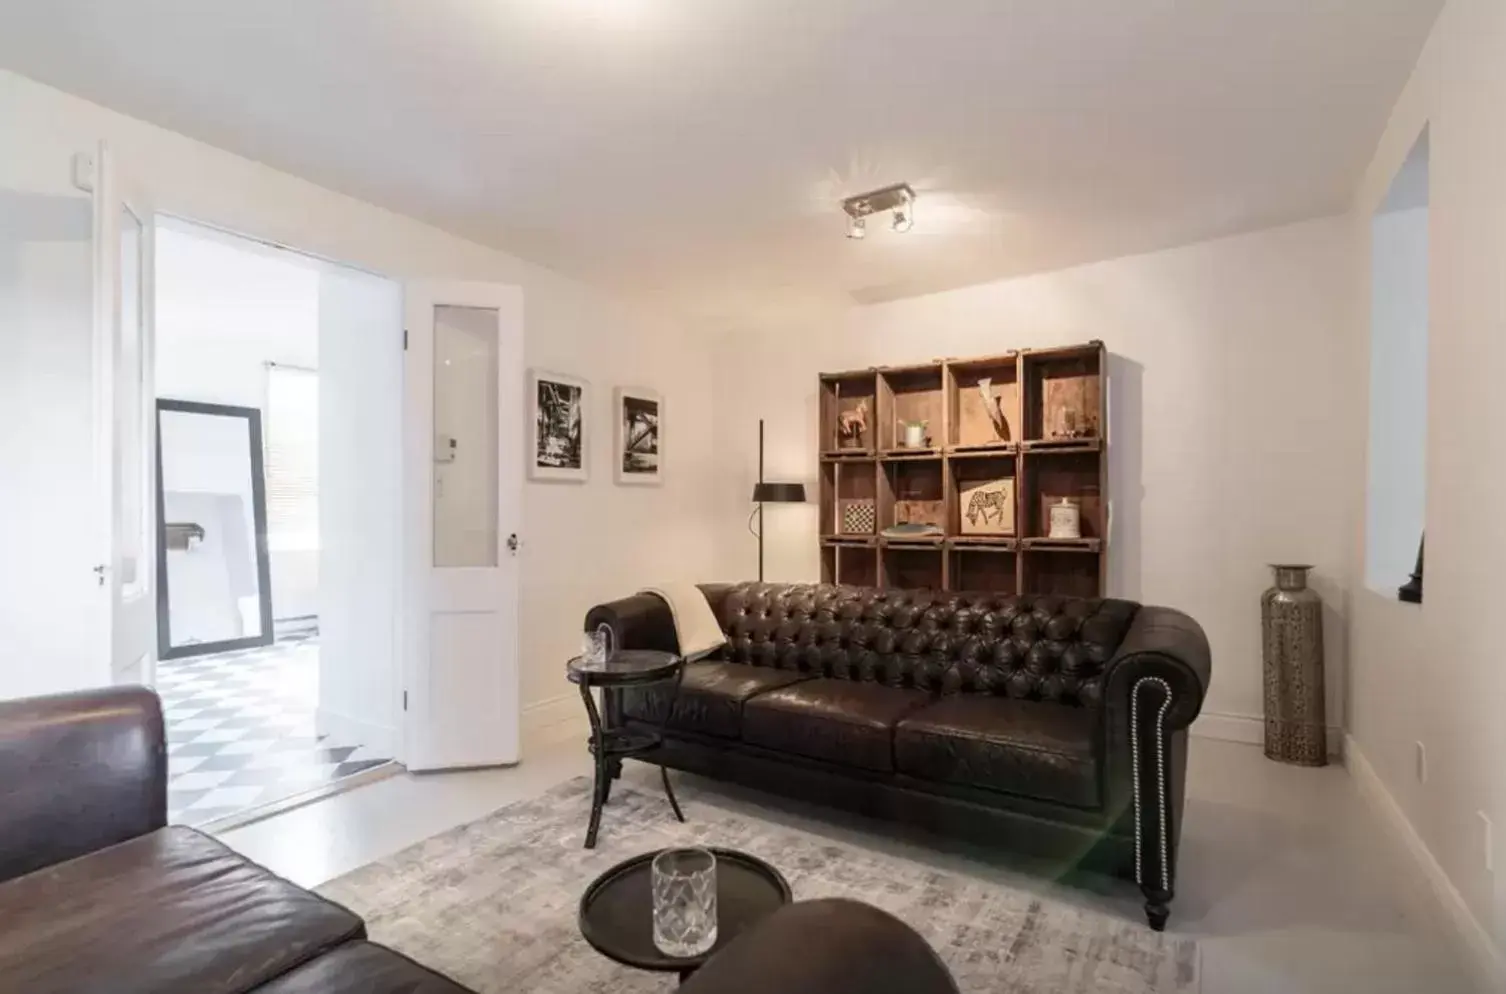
(639, 449)
(560, 441)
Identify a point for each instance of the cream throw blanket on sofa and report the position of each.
(696, 626)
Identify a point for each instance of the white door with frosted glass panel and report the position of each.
(463, 417)
(124, 480)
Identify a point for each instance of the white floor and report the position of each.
(1288, 881)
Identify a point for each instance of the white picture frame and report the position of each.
(559, 432)
(638, 436)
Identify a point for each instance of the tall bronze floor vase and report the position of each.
(1291, 617)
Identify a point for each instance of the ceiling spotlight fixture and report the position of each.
(899, 199)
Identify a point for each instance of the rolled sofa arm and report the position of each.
(79, 772)
(1153, 688)
(641, 621)
(1162, 644)
(831, 946)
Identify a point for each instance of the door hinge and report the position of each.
(405, 339)
(405, 700)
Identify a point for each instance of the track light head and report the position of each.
(856, 227)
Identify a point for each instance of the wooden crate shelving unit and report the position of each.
(1051, 405)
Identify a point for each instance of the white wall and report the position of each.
(360, 480)
(1397, 452)
(1227, 418)
(581, 544)
(48, 596)
(1434, 673)
(224, 310)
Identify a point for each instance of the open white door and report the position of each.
(123, 423)
(463, 439)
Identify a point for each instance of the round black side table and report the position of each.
(617, 909)
(610, 746)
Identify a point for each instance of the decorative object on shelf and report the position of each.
(769, 493)
(987, 508)
(920, 512)
(912, 530)
(913, 435)
(1291, 617)
(994, 408)
(852, 424)
(859, 516)
(639, 436)
(1411, 591)
(559, 444)
(1066, 520)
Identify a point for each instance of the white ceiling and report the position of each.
(694, 151)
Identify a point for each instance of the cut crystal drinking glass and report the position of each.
(684, 883)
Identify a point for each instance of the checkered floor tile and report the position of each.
(240, 730)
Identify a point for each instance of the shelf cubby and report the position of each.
(1077, 476)
(912, 491)
(1069, 572)
(912, 566)
(910, 393)
(844, 481)
(1063, 396)
(970, 470)
(843, 395)
(977, 567)
(850, 563)
(970, 425)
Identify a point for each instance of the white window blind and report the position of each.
(292, 458)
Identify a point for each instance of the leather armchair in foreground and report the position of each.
(99, 896)
(1053, 726)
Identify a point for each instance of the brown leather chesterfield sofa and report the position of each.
(99, 896)
(1052, 726)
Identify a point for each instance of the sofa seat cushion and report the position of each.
(1029, 748)
(841, 721)
(362, 968)
(170, 911)
(712, 695)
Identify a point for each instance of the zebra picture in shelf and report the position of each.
(987, 508)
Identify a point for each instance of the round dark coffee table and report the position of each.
(617, 914)
(610, 746)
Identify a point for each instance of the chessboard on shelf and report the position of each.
(984, 474)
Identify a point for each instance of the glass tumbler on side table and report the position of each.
(684, 886)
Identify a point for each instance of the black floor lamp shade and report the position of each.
(779, 493)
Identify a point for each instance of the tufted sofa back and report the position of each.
(1024, 646)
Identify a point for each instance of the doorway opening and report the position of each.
(279, 391)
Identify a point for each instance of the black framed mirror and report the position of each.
(214, 586)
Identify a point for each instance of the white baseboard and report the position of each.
(1485, 962)
(381, 739)
(554, 720)
(1250, 729)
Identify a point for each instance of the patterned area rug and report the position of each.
(493, 903)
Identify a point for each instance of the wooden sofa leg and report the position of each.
(1157, 907)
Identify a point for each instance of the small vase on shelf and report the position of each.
(1291, 614)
